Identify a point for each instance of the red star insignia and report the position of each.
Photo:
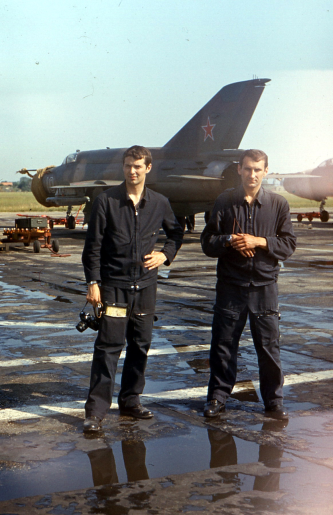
(208, 129)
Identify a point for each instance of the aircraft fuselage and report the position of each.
(318, 187)
(84, 175)
(191, 169)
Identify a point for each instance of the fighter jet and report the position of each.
(191, 169)
(314, 184)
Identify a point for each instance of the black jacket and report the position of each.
(118, 237)
(270, 219)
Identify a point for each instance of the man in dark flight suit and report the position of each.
(250, 231)
(120, 266)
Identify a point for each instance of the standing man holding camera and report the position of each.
(250, 231)
(120, 266)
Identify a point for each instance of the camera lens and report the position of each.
(81, 326)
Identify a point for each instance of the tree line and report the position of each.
(24, 184)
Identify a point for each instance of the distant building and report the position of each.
(6, 186)
(272, 184)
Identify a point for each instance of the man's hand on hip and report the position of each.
(154, 260)
(94, 294)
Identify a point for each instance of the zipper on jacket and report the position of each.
(136, 222)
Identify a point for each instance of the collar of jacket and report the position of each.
(145, 196)
(240, 195)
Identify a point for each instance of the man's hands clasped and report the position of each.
(246, 244)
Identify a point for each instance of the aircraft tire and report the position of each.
(324, 216)
(71, 222)
(36, 246)
(55, 245)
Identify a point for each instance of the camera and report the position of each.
(91, 321)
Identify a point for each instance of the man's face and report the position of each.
(135, 170)
(252, 173)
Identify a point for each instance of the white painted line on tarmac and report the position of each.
(184, 328)
(206, 346)
(18, 323)
(85, 357)
(76, 408)
(79, 358)
(193, 393)
(11, 323)
(307, 377)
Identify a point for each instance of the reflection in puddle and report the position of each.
(63, 299)
(17, 290)
(163, 274)
(135, 460)
(200, 365)
(58, 287)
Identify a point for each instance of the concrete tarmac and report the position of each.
(242, 462)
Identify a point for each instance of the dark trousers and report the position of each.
(233, 305)
(136, 328)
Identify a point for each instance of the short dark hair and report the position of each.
(138, 152)
(256, 155)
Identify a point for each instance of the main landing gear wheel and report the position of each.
(55, 245)
(324, 216)
(37, 246)
(71, 222)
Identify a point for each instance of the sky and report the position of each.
(86, 75)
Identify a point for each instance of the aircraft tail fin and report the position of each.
(222, 122)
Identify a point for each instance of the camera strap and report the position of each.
(98, 309)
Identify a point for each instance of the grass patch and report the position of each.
(17, 201)
(21, 201)
(298, 202)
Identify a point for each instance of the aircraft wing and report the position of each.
(88, 184)
(281, 176)
(197, 178)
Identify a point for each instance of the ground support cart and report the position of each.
(29, 230)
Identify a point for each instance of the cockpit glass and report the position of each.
(71, 158)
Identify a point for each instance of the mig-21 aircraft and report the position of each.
(191, 169)
(315, 184)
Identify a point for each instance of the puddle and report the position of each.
(63, 299)
(17, 290)
(51, 371)
(200, 365)
(155, 386)
(135, 460)
(163, 274)
(58, 287)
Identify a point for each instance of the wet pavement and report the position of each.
(242, 462)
